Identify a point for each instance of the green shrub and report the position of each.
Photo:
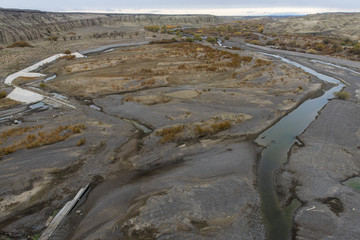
(3, 94)
(189, 39)
(42, 85)
(81, 142)
(320, 47)
(355, 49)
(197, 37)
(343, 95)
(35, 237)
(152, 28)
(336, 48)
(67, 52)
(326, 41)
(19, 44)
(211, 39)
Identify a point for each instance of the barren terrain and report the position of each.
(326, 24)
(193, 97)
(163, 134)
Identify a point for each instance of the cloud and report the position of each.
(222, 12)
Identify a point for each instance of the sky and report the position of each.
(219, 7)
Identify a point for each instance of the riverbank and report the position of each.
(317, 169)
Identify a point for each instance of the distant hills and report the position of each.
(330, 24)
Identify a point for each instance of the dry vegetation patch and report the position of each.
(19, 138)
(19, 44)
(7, 103)
(147, 99)
(150, 66)
(193, 130)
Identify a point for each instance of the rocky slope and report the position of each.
(30, 25)
(335, 24)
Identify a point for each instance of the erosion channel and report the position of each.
(277, 141)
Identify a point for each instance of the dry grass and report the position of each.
(6, 103)
(208, 55)
(81, 142)
(36, 139)
(18, 132)
(129, 99)
(192, 130)
(169, 134)
(221, 126)
(19, 44)
(261, 62)
(202, 131)
(150, 67)
(67, 57)
(148, 82)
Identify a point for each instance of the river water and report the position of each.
(277, 141)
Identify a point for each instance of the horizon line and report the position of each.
(230, 12)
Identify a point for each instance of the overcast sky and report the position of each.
(219, 7)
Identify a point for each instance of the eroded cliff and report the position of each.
(27, 25)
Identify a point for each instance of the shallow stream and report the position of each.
(277, 141)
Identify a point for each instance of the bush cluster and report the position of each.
(3, 94)
(19, 44)
(41, 138)
(343, 95)
(169, 134)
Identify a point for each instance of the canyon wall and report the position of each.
(30, 25)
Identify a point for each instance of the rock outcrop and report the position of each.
(28, 25)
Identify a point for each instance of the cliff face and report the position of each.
(334, 24)
(27, 25)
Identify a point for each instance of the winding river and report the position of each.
(277, 141)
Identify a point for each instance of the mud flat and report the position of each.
(182, 185)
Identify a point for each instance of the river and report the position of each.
(278, 141)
